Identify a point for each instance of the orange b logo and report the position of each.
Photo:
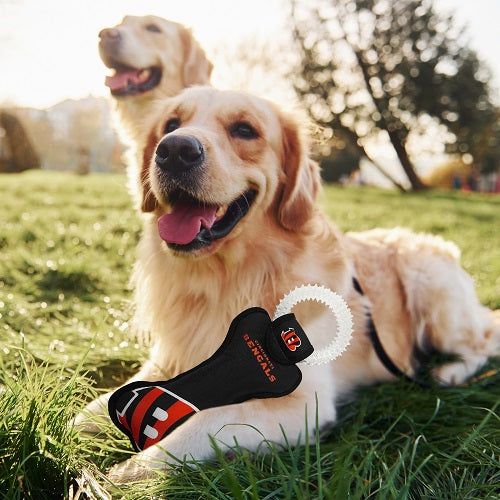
(291, 339)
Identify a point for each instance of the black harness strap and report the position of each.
(379, 348)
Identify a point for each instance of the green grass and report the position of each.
(67, 245)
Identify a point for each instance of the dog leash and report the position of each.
(379, 348)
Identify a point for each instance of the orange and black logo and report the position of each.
(291, 339)
(149, 413)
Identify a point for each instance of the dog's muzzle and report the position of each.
(192, 223)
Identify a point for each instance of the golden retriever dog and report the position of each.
(230, 222)
(150, 58)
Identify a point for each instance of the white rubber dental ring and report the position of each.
(339, 308)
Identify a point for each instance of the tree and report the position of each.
(22, 155)
(488, 147)
(370, 69)
(339, 164)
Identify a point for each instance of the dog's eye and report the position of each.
(153, 28)
(243, 130)
(171, 125)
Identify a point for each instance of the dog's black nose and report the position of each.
(177, 153)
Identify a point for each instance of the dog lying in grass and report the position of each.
(230, 221)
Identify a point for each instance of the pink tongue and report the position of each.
(122, 78)
(185, 222)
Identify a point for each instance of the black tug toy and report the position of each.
(258, 359)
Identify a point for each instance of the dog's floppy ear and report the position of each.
(148, 201)
(197, 68)
(302, 181)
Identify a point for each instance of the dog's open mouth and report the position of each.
(130, 81)
(192, 224)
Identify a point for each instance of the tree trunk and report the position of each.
(396, 142)
(406, 163)
(354, 140)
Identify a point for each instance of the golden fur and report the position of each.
(414, 287)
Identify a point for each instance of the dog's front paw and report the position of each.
(460, 371)
(452, 373)
(94, 418)
(90, 423)
(130, 471)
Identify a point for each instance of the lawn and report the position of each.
(67, 244)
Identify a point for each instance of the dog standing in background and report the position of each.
(151, 58)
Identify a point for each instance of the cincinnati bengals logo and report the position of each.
(291, 339)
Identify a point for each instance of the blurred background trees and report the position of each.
(388, 83)
(74, 135)
(388, 71)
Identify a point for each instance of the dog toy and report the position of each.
(258, 359)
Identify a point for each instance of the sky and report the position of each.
(48, 48)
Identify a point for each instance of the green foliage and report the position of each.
(67, 247)
(339, 164)
(391, 445)
(39, 452)
(373, 69)
(490, 157)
